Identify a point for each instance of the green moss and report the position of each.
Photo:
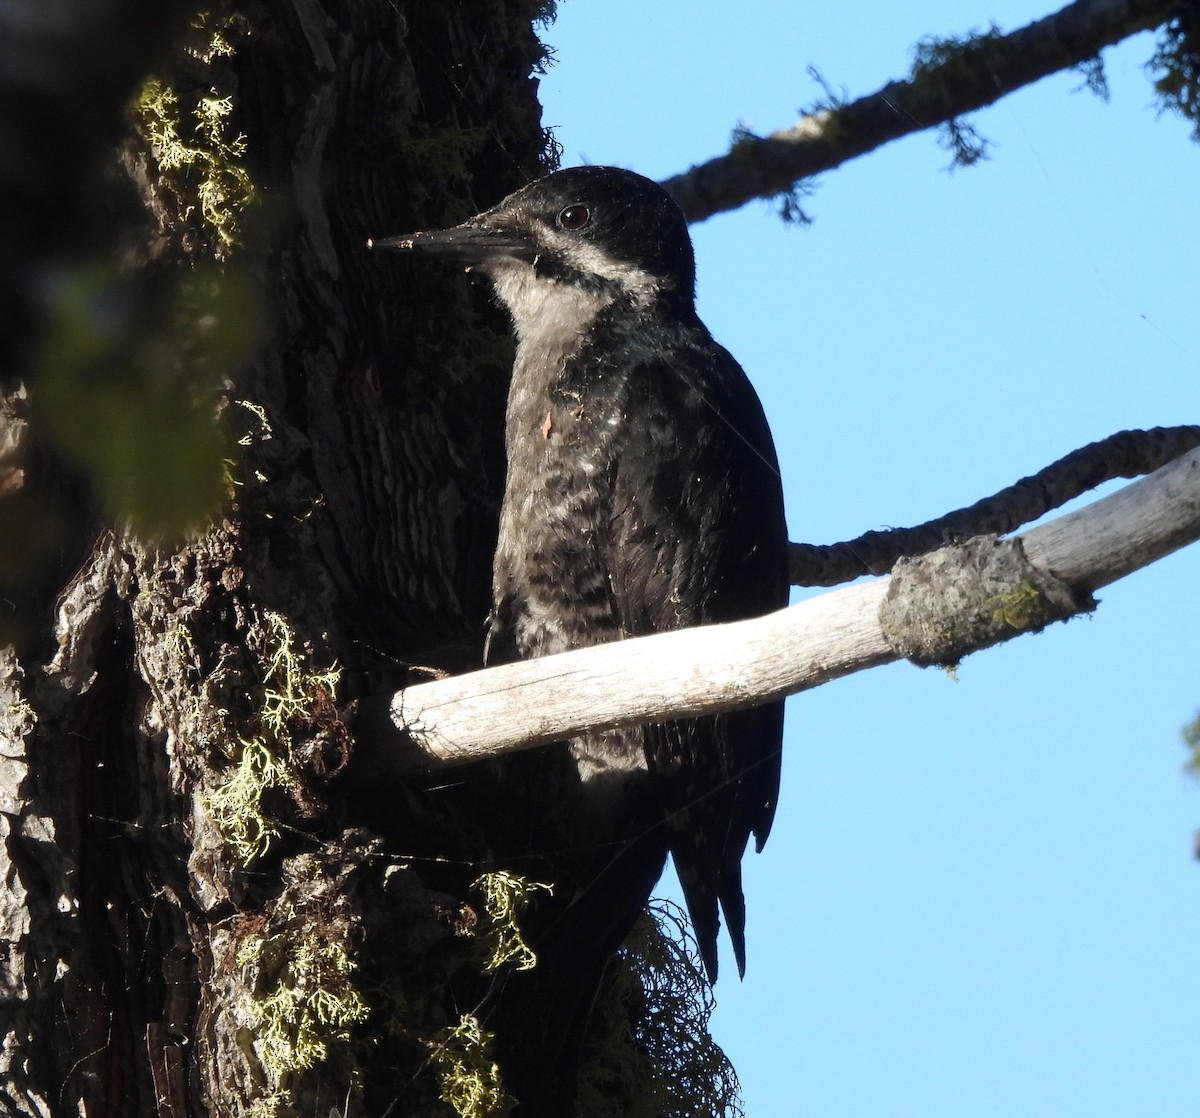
(470, 1077)
(1019, 609)
(452, 150)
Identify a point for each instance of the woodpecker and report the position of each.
(642, 495)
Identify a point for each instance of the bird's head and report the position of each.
(594, 233)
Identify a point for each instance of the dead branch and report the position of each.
(722, 667)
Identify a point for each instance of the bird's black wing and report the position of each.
(699, 537)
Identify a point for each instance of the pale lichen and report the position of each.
(507, 897)
(650, 1053)
(266, 759)
(197, 154)
(306, 1001)
(470, 1077)
(1175, 66)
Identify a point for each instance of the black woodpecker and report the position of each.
(642, 495)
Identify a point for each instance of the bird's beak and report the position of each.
(470, 243)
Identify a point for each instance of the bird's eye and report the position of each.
(574, 217)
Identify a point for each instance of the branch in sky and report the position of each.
(945, 84)
(1125, 454)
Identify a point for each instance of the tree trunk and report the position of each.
(187, 890)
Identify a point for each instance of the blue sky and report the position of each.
(979, 896)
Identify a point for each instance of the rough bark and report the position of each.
(140, 945)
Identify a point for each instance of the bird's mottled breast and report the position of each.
(551, 587)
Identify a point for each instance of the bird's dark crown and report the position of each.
(601, 223)
(565, 247)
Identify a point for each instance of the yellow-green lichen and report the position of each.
(289, 687)
(179, 641)
(266, 759)
(272, 1105)
(21, 712)
(236, 806)
(264, 424)
(306, 1001)
(470, 1077)
(507, 897)
(197, 154)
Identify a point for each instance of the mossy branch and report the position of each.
(951, 78)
